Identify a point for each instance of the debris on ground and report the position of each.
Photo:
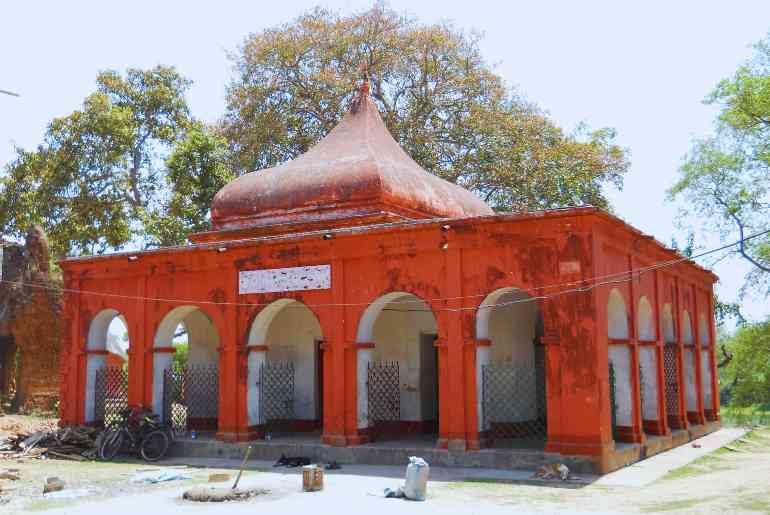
(10, 474)
(69, 494)
(209, 494)
(696, 445)
(220, 477)
(160, 476)
(552, 471)
(53, 484)
(74, 443)
(394, 493)
(332, 465)
(292, 461)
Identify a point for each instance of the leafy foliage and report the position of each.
(97, 180)
(748, 373)
(725, 179)
(438, 97)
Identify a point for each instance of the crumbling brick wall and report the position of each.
(30, 324)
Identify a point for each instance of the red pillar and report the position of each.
(695, 321)
(340, 396)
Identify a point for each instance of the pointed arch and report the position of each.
(617, 316)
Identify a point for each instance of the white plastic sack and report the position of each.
(416, 479)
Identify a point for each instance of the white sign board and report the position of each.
(285, 279)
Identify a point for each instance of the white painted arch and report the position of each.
(98, 332)
(203, 340)
(617, 316)
(290, 331)
(667, 321)
(645, 320)
(401, 325)
(510, 320)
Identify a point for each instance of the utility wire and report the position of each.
(585, 286)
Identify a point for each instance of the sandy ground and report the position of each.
(725, 481)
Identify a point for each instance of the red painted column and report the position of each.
(714, 415)
(637, 430)
(662, 427)
(452, 401)
(71, 397)
(680, 345)
(138, 344)
(231, 403)
(339, 378)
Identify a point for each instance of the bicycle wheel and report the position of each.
(154, 445)
(111, 444)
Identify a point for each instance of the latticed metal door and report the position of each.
(613, 402)
(276, 392)
(671, 373)
(111, 395)
(175, 399)
(513, 397)
(383, 392)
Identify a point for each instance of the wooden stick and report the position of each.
(243, 464)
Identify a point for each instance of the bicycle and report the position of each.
(138, 429)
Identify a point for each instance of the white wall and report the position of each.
(649, 363)
(667, 321)
(291, 336)
(93, 363)
(202, 339)
(687, 338)
(691, 393)
(620, 357)
(512, 334)
(617, 316)
(646, 321)
(397, 332)
(706, 379)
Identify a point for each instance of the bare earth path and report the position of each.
(725, 482)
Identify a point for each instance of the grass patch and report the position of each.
(745, 417)
(752, 503)
(681, 504)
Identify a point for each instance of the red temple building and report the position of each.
(353, 296)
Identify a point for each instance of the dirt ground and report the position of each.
(734, 479)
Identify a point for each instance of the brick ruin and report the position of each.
(30, 325)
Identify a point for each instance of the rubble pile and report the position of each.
(75, 443)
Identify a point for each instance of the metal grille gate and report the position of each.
(613, 403)
(513, 403)
(671, 373)
(383, 392)
(276, 393)
(174, 400)
(191, 397)
(111, 395)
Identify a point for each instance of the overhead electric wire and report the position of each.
(585, 286)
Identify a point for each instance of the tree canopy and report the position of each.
(98, 181)
(725, 178)
(439, 98)
(133, 167)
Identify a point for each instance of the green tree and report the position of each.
(439, 98)
(748, 372)
(96, 181)
(725, 179)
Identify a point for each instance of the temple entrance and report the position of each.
(186, 371)
(106, 369)
(511, 371)
(285, 370)
(398, 369)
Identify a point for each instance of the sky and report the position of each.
(642, 68)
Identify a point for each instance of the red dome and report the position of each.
(357, 171)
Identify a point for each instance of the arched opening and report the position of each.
(705, 363)
(690, 389)
(671, 367)
(648, 361)
(510, 370)
(285, 391)
(398, 374)
(621, 392)
(186, 386)
(106, 368)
